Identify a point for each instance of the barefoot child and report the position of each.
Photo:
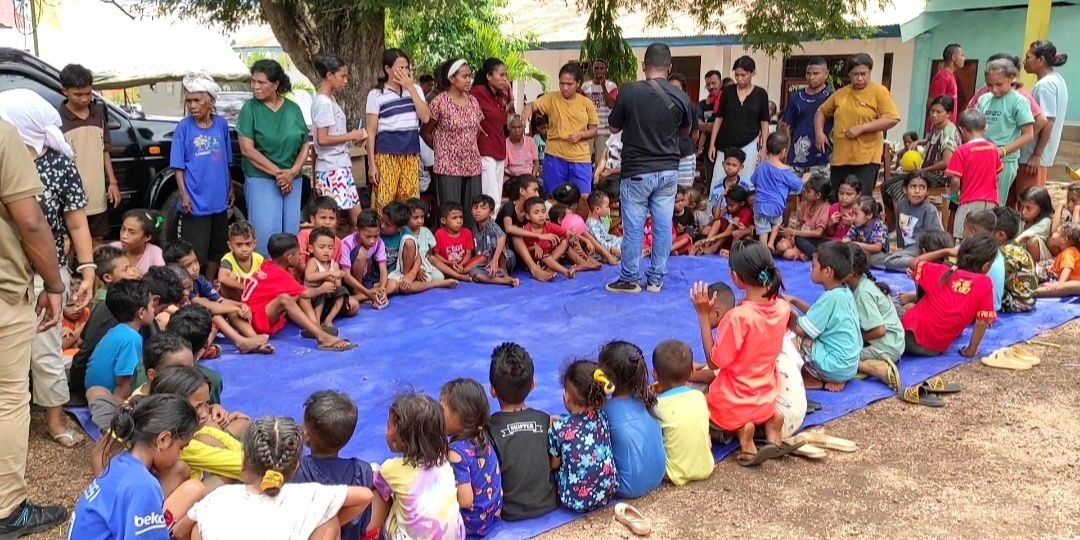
(363, 261)
(733, 165)
(915, 216)
(831, 339)
(1021, 276)
(735, 222)
(773, 182)
(126, 500)
(520, 436)
(322, 270)
(882, 332)
(683, 415)
(637, 442)
(454, 246)
(112, 364)
(419, 485)
(139, 229)
(274, 295)
(953, 297)
(491, 240)
(743, 393)
(241, 262)
(265, 506)
(231, 318)
(329, 423)
(512, 218)
(868, 232)
(1037, 211)
(599, 225)
(472, 456)
(800, 241)
(416, 273)
(547, 252)
(580, 442)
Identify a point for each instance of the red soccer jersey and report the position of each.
(976, 163)
(545, 246)
(946, 309)
(453, 248)
(264, 286)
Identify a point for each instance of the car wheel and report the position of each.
(172, 219)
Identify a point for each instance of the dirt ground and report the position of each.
(1001, 460)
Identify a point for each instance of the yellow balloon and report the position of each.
(911, 161)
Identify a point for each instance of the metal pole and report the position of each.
(34, 26)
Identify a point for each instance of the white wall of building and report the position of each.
(769, 69)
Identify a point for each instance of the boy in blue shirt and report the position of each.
(831, 337)
(773, 182)
(112, 364)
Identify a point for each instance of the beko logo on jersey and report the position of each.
(152, 520)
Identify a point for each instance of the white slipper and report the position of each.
(633, 519)
(822, 440)
(807, 451)
(1001, 359)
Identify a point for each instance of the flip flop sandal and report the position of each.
(1024, 355)
(937, 385)
(764, 453)
(332, 348)
(212, 352)
(333, 331)
(826, 441)
(807, 451)
(920, 396)
(813, 406)
(892, 379)
(69, 435)
(1003, 360)
(633, 519)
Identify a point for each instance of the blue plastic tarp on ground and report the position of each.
(420, 342)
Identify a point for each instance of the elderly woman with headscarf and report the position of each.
(62, 201)
(200, 156)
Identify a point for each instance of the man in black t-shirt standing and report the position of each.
(652, 115)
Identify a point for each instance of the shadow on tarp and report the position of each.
(420, 342)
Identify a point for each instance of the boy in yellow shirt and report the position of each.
(683, 414)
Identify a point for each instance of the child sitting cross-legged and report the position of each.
(830, 332)
(868, 231)
(743, 394)
(800, 241)
(126, 500)
(363, 261)
(472, 455)
(1063, 278)
(580, 442)
(547, 252)
(274, 295)
(322, 270)
(454, 247)
(773, 182)
(112, 364)
(1037, 211)
(490, 239)
(1021, 275)
(265, 506)
(329, 423)
(241, 262)
(683, 414)
(581, 240)
(915, 216)
(520, 436)
(880, 324)
(415, 273)
(952, 298)
(736, 221)
(416, 492)
(842, 212)
(637, 442)
(232, 318)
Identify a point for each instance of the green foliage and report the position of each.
(470, 31)
(603, 39)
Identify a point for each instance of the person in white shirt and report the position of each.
(602, 92)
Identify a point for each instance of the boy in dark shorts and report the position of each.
(520, 436)
(491, 241)
(329, 423)
(453, 253)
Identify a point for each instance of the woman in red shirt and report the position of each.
(493, 92)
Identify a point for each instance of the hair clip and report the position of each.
(763, 277)
(158, 221)
(599, 377)
(272, 480)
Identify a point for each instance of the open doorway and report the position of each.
(689, 66)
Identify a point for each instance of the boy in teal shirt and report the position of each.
(830, 331)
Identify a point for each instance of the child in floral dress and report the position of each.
(580, 442)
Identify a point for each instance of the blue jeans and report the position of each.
(269, 211)
(638, 195)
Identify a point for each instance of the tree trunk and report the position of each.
(356, 34)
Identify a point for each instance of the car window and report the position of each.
(10, 81)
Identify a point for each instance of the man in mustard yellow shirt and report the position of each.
(572, 122)
(862, 112)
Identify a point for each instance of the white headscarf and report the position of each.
(37, 121)
(201, 83)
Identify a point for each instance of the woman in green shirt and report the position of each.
(274, 143)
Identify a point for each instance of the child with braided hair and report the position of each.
(264, 506)
(637, 441)
(580, 442)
